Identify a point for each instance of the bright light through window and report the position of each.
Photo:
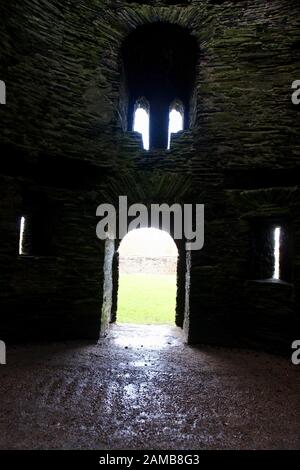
(141, 125)
(175, 124)
(277, 232)
(22, 229)
(148, 242)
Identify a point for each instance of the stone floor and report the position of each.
(143, 388)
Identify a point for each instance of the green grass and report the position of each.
(147, 298)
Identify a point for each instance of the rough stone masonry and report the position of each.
(66, 148)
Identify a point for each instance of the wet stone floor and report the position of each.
(143, 388)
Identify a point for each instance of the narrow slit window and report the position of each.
(175, 121)
(277, 236)
(21, 238)
(141, 123)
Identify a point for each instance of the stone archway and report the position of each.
(112, 282)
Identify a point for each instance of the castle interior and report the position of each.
(77, 76)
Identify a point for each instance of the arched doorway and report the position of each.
(147, 277)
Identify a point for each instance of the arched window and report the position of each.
(141, 120)
(176, 119)
(160, 64)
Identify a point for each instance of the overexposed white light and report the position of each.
(141, 125)
(175, 124)
(22, 229)
(277, 232)
(148, 242)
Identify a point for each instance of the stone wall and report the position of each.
(64, 137)
(146, 265)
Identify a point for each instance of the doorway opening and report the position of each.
(147, 278)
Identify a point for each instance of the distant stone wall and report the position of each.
(145, 265)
